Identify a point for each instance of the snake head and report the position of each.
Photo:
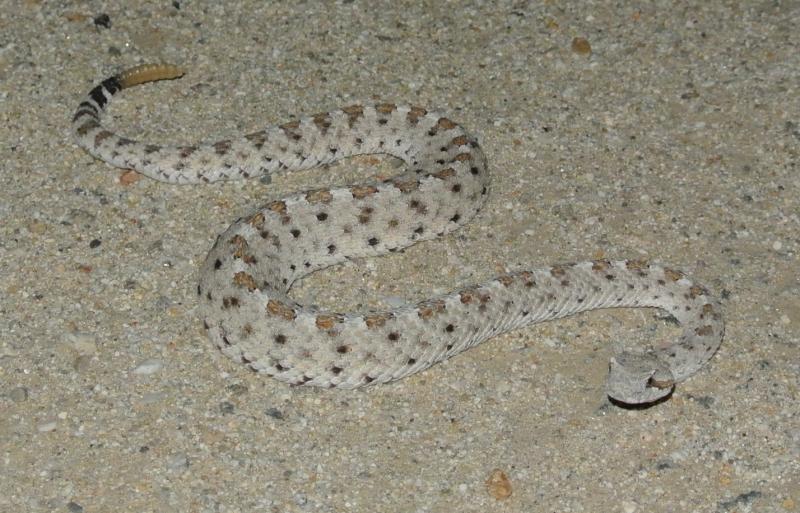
(638, 379)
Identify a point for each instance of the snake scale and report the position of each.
(245, 280)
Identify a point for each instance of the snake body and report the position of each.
(245, 280)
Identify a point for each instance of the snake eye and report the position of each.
(652, 382)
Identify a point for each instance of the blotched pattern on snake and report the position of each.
(245, 280)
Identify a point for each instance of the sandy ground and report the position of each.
(671, 133)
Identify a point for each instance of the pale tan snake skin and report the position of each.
(244, 282)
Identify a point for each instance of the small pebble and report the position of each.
(19, 394)
(148, 367)
(274, 413)
(74, 16)
(498, 485)
(129, 177)
(46, 427)
(37, 227)
(581, 46)
(103, 20)
(74, 507)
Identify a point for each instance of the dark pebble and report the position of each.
(275, 413)
(226, 407)
(102, 20)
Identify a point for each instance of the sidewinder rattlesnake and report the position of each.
(245, 280)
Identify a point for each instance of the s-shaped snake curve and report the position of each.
(245, 280)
